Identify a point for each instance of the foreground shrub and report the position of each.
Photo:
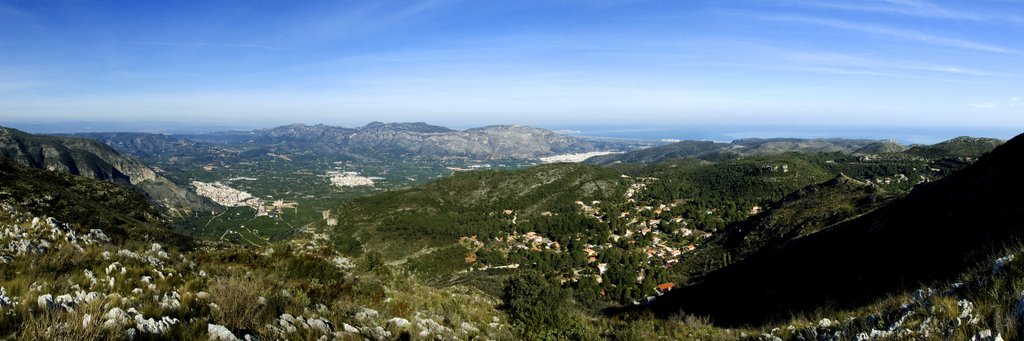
(241, 304)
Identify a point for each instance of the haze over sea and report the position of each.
(902, 135)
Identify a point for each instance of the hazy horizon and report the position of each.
(711, 132)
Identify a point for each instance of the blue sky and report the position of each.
(548, 63)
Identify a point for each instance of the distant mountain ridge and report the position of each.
(682, 149)
(958, 147)
(963, 146)
(94, 159)
(416, 139)
(881, 147)
(761, 146)
(143, 144)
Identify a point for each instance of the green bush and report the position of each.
(543, 310)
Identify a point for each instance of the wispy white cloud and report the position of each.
(9, 85)
(884, 66)
(923, 8)
(915, 8)
(840, 71)
(1013, 102)
(350, 18)
(12, 12)
(15, 80)
(418, 8)
(774, 57)
(895, 33)
(902, 7)
(216, 45)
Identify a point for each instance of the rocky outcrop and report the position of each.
(79, 157)
(93, 159)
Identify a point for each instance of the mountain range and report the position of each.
(377, 140)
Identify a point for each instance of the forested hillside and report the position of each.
(933, 235)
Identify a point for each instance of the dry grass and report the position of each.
(238, 301)
(84, 323)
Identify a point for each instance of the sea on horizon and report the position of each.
(902, 135)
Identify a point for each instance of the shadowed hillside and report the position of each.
(799, 214)
(933, 234)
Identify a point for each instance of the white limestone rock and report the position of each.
(824, 323)
(115, 317)
(319, 324)
(218, 332)
(468, 328)
(6, 301)
(376, 333)
(366, 314)
(45, 301)
(1001, 262)
(398, 323)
